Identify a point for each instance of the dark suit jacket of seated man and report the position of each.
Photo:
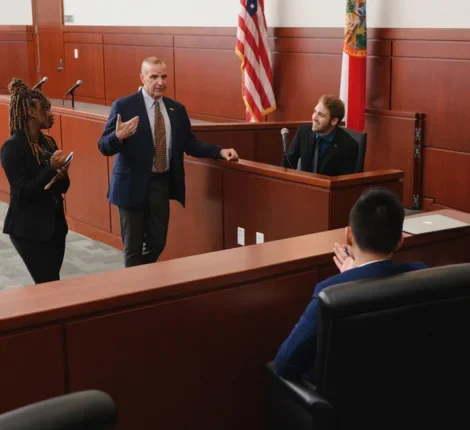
(149, 135)
(338, 151)
(296, 356)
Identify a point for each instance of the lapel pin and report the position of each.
(171, 109)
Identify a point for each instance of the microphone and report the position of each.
(285, 135)
(39, 84)
(77, 84)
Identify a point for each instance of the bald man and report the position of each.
(149, 134)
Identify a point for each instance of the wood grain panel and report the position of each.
(16, 36)
(446, 178)
(269, 146)
(276, 208)
(378, 82)
(242, 141)
(48, 17)
(204, 89)
(138, 40)
(122, 68)
(427, 49)
(341, 201)
(311, 46)
(390, 145)
(19, 63)
(88, 67)
(300, 80)
(32, 367)
(208, 346)
(86, 198)
(96, 38)
(196, 229)
(205, 42)
(436, 88)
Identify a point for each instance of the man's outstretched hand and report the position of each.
(229, 154)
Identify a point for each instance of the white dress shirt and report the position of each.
(150, 105)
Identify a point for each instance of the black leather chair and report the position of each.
(393, 353)
(361, 139)
(84, 410)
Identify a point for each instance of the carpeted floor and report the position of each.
(82, 256)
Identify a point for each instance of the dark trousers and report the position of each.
(144, 231)
(42, 259)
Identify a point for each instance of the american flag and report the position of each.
(253, 50)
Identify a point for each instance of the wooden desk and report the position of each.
(221, 196)
(178, 344)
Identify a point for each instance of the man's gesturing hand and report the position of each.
(126, 129)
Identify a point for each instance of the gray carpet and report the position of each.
(82, 256)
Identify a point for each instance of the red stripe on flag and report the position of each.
(357, 93)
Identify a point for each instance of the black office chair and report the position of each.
(361, 139)
(84, 410)
(393, 353)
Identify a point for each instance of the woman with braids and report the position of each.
(35, 219)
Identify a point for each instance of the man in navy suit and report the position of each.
(324, 147)
(374, 233)
(149, 135)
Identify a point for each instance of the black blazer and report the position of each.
(33, 211)
(339, 159)
(133, 164)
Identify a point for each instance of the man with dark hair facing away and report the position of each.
(324, 147)
(374, 233)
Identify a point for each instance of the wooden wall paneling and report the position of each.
(197, 228)
(438, 88)
(390, 145)
(208, 346)
(208, 81)
(299, 81)
(446, 178)
(269, 145)
(122, 64)
(96, 38)
(378, 82)
(342, 200)
(88, 67)
(4, 134)
(32, 367)
(17, 50)
(243, 141)
(48, 17)
(86, 198)
(274, 207)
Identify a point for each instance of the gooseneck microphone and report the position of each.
(72, 92)
(285, 136)
(39, 84)
(77, 84)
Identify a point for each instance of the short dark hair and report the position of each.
(376, 221)
(334, 105)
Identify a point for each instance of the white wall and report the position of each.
(16, 12)
(279, 13)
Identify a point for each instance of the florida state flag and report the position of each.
(353, 73)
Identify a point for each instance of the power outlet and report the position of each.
(259, 238)
(241, 236)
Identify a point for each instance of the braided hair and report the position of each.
(22, 98)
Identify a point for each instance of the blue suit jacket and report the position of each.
(296, 356)
(133, 164)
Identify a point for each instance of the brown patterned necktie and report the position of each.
(160, 140)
